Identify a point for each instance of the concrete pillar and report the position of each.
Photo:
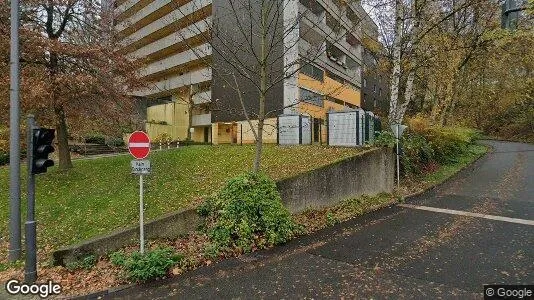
(215, 133)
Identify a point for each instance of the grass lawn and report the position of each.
(101, 195)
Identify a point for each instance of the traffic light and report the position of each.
(42, 147)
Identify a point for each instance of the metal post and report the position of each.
(141, 217)
(398, 160)
(14, 139)
(30, 273)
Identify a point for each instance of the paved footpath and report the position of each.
(476, 229)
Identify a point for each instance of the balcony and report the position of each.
(167, 21)
(175, 82)
(202, 97)
(201, 120)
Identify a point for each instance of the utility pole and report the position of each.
(14, 138)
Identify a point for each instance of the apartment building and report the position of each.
(316, 66)
(375, 82)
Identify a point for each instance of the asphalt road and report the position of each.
(398, 252)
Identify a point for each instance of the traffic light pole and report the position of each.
(14, 139)
(30, 273)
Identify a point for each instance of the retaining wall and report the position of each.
(369, 173)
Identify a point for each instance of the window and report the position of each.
(352, 40)
(334, 53)
(352, 64)
(313, 72)
(336, 78)
(333, 23)
(353, 17)
(364, 82)
(339, 4)
(380, 92)
(311, 97)
(312, 5)
(374, 88)
(335, 100)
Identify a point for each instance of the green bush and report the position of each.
(116, 142)
(385, 139)
(95, 138)
(431, 146)
(449, 143)
(248, 212)
(417, 152)
(150, 265)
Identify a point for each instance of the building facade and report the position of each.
(314, 63)
(375, 87)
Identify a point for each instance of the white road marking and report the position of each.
(470, 214)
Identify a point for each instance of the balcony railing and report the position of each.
(201, 120)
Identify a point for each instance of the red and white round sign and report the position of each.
(139, 145)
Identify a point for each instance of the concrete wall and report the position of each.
(370, 173)
(176, 116)
(269, 131)
(168, 226)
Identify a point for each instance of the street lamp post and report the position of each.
(14, 138)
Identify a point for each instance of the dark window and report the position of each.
(353, 17)
(336, 78)
(311, 97)
(333, 23)
(352, 40)
(333, 52)
(313, 6)
(335, 100)
(352, 64)
(313, 72)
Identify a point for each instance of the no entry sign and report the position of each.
(139, 145)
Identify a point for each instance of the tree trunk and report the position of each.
(449, 98)
(65, 161)
(259, 146)
(62, 136)
(395, 76)
(263, 88)
(408, 95)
